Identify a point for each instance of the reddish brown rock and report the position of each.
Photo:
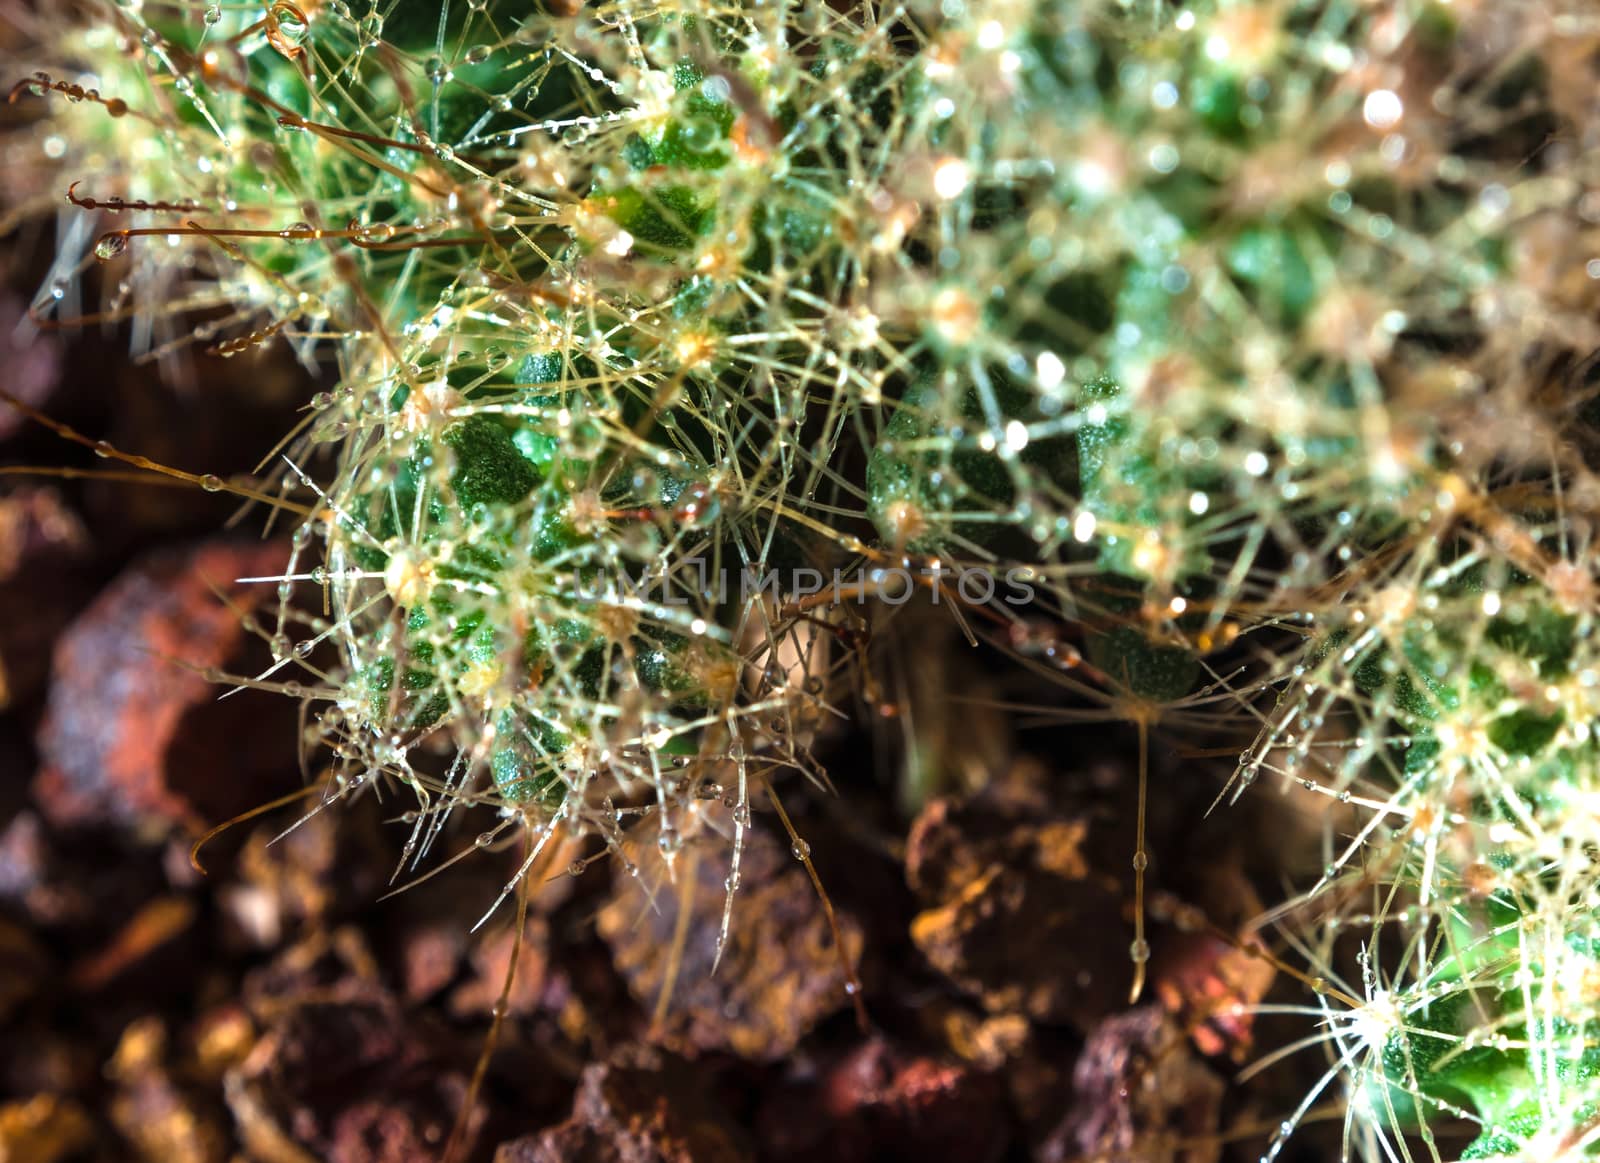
(986, 1041)
(429, 941)
(642, 1107)
(780, 973)
(886, 1103)
(490, 961)
(1015, 915)
(1211, 987)
(291, 880)
(43, 1129)
(220, 1040)
(342, 1075)
(134, 734)
(1140, 1096)
(431, 945)
(154, 930)
(31, 877)
(163, 1120)
(37, 528)
(1211, 972)
(324, 964)
(430, 959)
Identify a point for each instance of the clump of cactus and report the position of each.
(1256, 335)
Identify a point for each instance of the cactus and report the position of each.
(559, 273)
(1255, 331)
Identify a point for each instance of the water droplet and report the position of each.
(801, 850)
(697, 506)
(110, 246)
(103, 448)
(213, 14)
(211, 483)
(699, 135)
(290, 24)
